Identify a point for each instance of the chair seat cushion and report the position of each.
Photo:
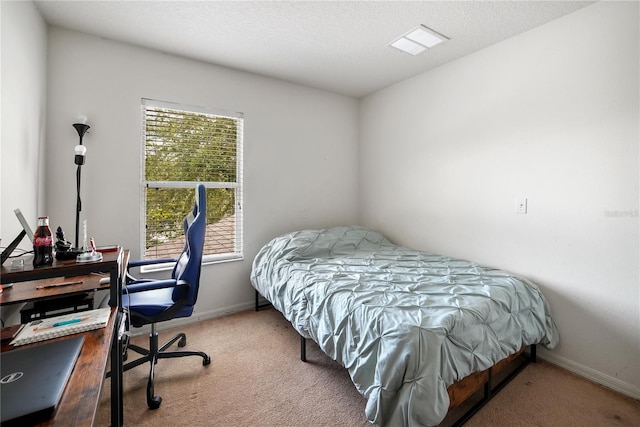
(151, 304)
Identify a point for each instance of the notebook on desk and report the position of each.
(33, 379)
(60, 326)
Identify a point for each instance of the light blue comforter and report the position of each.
(406, 324)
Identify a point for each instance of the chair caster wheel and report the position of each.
(155, 402)
(206, 361)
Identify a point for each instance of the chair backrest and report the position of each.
(189, 263)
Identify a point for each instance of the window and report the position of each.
(184, 146)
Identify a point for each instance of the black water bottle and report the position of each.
(42, 243)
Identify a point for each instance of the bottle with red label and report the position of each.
(42, 243)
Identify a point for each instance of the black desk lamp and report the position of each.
(80, 151)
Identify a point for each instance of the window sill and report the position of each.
(206, 260)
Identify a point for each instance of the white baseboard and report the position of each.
(212, 314)
(197, 317)
(591, 374)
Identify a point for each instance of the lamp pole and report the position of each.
(80, 151)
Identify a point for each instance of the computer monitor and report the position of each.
(26, 230)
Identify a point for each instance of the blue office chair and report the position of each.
(151, 301)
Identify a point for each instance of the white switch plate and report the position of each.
(521, 205)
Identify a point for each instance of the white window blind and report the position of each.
(182, 147)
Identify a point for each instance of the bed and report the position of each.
(407, 325)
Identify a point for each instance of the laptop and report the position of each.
(26, 230)
(33, 379)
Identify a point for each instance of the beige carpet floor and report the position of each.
(257, 379)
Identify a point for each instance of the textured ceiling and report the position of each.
(340, 46)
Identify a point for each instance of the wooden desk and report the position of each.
(97, 343)
(79, 403)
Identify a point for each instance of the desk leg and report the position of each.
(117, 410)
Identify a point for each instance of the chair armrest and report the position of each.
(143, 262)
(141, 286)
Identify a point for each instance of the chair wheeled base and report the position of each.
(154, 353)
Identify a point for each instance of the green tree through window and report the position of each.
(184, 146)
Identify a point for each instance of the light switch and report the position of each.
(521, 205)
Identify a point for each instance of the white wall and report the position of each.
(22, 144)
(551, 115)
(300, 148)
(24, 44)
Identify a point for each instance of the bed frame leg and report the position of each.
(303, 349)
(533, 357)
(258, 305)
